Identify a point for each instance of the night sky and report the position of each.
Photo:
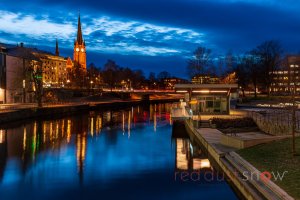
(152, 35)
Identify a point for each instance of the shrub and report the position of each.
(233, 123)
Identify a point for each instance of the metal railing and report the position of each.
(275, 122)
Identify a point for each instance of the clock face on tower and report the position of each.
(77, 49)
(82, 49)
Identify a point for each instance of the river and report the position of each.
(133, 153)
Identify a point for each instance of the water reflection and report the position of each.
(190, 157)
(130, 151)
(27, 141)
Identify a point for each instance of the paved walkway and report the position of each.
(256, 136)
(235, 166)
(213, 137)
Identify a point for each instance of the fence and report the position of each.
(275, 122)
(18, 106)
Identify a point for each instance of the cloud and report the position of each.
(103, 34)
(125, 37)
(28, 25)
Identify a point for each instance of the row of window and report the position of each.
(284, 84)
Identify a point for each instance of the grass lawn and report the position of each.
(276, 156)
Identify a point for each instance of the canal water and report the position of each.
(135, 153)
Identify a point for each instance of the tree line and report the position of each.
(114, 76)
(253, 68)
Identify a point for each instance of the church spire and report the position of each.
(79, 32)
(56, 49)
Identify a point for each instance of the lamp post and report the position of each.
(294, 117)
(68, 83)
(129, 84)
(24, 91)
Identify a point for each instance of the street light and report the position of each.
(129, 84)
(294, 117)
(91, 84)
(24, 91)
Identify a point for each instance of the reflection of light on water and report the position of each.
(200, 163)
(138, 108)
(44, 132)
(123, 122)
(34, 140)
(205, 163)
(2, 137)
(192, 149)
(184, 157)
(129, 124)
(56, 131)
(98, 124)
(63, 129)
(80, 150)
(24, 138)
(92, 126)
(181, 157)
(108, 115)
(51, 131)
(155, 122)
(68, 130)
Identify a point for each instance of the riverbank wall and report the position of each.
(234, 168)
(69, 109)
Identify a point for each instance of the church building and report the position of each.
(79, 55)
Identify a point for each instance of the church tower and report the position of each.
(79, 55)
(56, 49)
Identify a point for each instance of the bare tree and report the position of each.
(200, 62)
(269, 53)
(163, 75)
(251, 67)
(36, 72)
(110, 73)
(242, 74)
(78, 76)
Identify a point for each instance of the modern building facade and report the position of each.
(205, 79)
(286, 79)
(208, 98)
(169, 83)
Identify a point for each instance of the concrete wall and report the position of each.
(239, 143)
(2, 77)
(16, 74)
(271, 127)
(233, 166)
(14, 79)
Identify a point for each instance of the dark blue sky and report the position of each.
(152, 35)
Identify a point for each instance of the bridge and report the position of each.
(120, 93)
(142, 91)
